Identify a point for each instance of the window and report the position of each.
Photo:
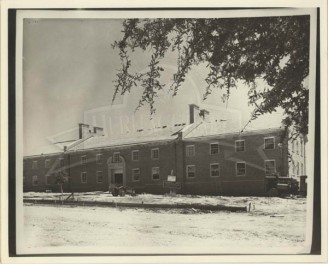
(214, 148)
(240, 145)
(296, 147)
(155, 154)
(135, 155)
(155, 173)
(269, 143)
(48, 179)
(34, 164)
(99, 177)
(99, 158)
(116, 157)
(191, 171)
(190, 151)
(47, 163)
(35, 181)
(136, 174)
(61, 162)
(83, 177)
(240, 168)
(270, 167)
(215, 169)
(83, 159)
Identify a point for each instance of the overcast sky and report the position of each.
(69, 68)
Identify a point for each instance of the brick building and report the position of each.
(207, 157)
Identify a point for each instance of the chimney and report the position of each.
(204, 114)
(84, 130)
(194, 114)
(98, 131)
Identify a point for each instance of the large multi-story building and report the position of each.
(205, 156)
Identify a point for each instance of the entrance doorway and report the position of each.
(118, 178)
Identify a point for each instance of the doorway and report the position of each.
(118, 179)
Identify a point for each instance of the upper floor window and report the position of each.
(270, 167)
(83, 159)
(116, 157)
(34, 164)
(136, 174)
(269, 143)
(191, 171)
(155, 173)
(214, 148)
(155, 154)
(99, 158)
(190, 150)
(99, 176)
(47, 163)
(240, 168)
(135, 155)
(84, 177)
(35, 180)
(240, 145)
(215, 169)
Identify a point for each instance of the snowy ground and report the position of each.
(275, 223)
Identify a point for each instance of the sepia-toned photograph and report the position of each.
(165, 132)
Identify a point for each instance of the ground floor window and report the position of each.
(215, 169)
(83, 177)
(35, 180)
(99, 177)
(155, 173)
(240, 168)
(191, 171)
(136, 174)
(270, 167)
(48, 179)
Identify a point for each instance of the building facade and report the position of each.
(204, 157)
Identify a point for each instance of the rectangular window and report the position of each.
(83, 159)
(99, 177)
(270, 167)
(47, 163)
(61, 162)
(269, 143)
(190, 151)
(83, 177)
(35, 181)
(116, 157)
(214, 148)
(215, 169)
(191, 171)
(135, 155)
(240, 145)
(99, 158)
(155, 173)
(240, 168)
(48, 179)
(34, 164)
(155, 154)
(136, 174)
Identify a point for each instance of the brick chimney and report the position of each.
(204, 114)
(98, 131)
(194, 114)
(84, 130)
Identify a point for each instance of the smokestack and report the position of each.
(194, 114)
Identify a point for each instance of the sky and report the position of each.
(68, 71)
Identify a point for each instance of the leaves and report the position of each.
(275, 49)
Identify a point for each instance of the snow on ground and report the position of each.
(275, 222)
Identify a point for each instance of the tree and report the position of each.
(275, 49)
(61, 178)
